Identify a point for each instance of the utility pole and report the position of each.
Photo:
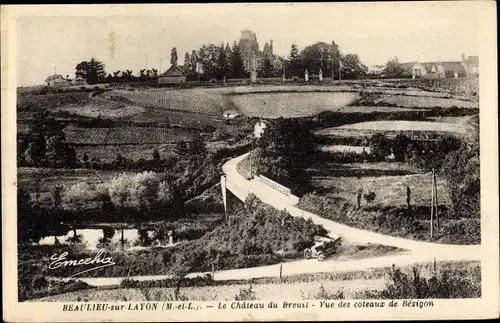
(250, 158)
(432, 205)
(340, 68)
(160, 66)
(435, 198)
(284, 70)
(333, 76)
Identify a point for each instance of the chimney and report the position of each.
(463, 57)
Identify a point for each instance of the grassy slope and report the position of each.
(291, 104)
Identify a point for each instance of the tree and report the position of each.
(156, 155)
(335, 56)
(92, 71)
(173, 56)
(222, 63)
(285, 151)
(352, 68)
(267, 68)
(317, 56)
(462, 172)
(380, 146)
(187, 62)
(400, 145)
(237, 66)
(393, 68)
(197, 147)
(193, 63)
(294, 58)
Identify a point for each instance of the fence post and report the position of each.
(281, 270)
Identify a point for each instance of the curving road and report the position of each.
(241, 187)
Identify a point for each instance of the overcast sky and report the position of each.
(413, 31)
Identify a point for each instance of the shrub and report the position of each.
(469, 230)
(442, 284)
(245, 294)
(140, 191)
(323, 294)
(79, 195)
(370, 196)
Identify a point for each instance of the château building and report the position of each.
(253, 57)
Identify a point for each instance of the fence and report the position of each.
(276, 186)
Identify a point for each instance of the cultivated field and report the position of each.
(371, 109)
(103, 109)
(401, 125)
(162, 117)
(389, 190)
(426, 102)
(291, 104)
(196, 101)
(124, 135)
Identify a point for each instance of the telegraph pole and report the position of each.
(333, 76)
(435, 198)
(284, 70)
(340, 68)
(432, 205)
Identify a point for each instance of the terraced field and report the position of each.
(197, 101)
(401, 125)
(124, 135)
(426, 102)
(275, 105)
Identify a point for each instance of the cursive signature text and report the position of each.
(58, 261)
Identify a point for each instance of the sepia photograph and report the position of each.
(254, 156)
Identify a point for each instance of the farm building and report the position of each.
(376, 69)
(471, 64)
(174, 75)
(467, 66)
(230, 114)
(57, 79)
(79, 81)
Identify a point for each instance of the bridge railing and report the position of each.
(276, 186)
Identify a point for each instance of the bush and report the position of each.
(323, 294)
(442, 284)
(79, 195)
(245, 294)
(469, 230)
(370, 197)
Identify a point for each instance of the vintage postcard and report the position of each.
(249, 162)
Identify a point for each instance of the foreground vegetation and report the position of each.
(420, 281)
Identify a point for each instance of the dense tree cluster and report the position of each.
(223, 61)
(44, 145)
(285, 151)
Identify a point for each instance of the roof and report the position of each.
(457, 67)
(472, 60)
(53, 77)
(174, 70)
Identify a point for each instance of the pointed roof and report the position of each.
(447, 66)
(472, 60)
(174, 70)
(54, 77)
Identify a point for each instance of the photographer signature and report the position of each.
(58, 261)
